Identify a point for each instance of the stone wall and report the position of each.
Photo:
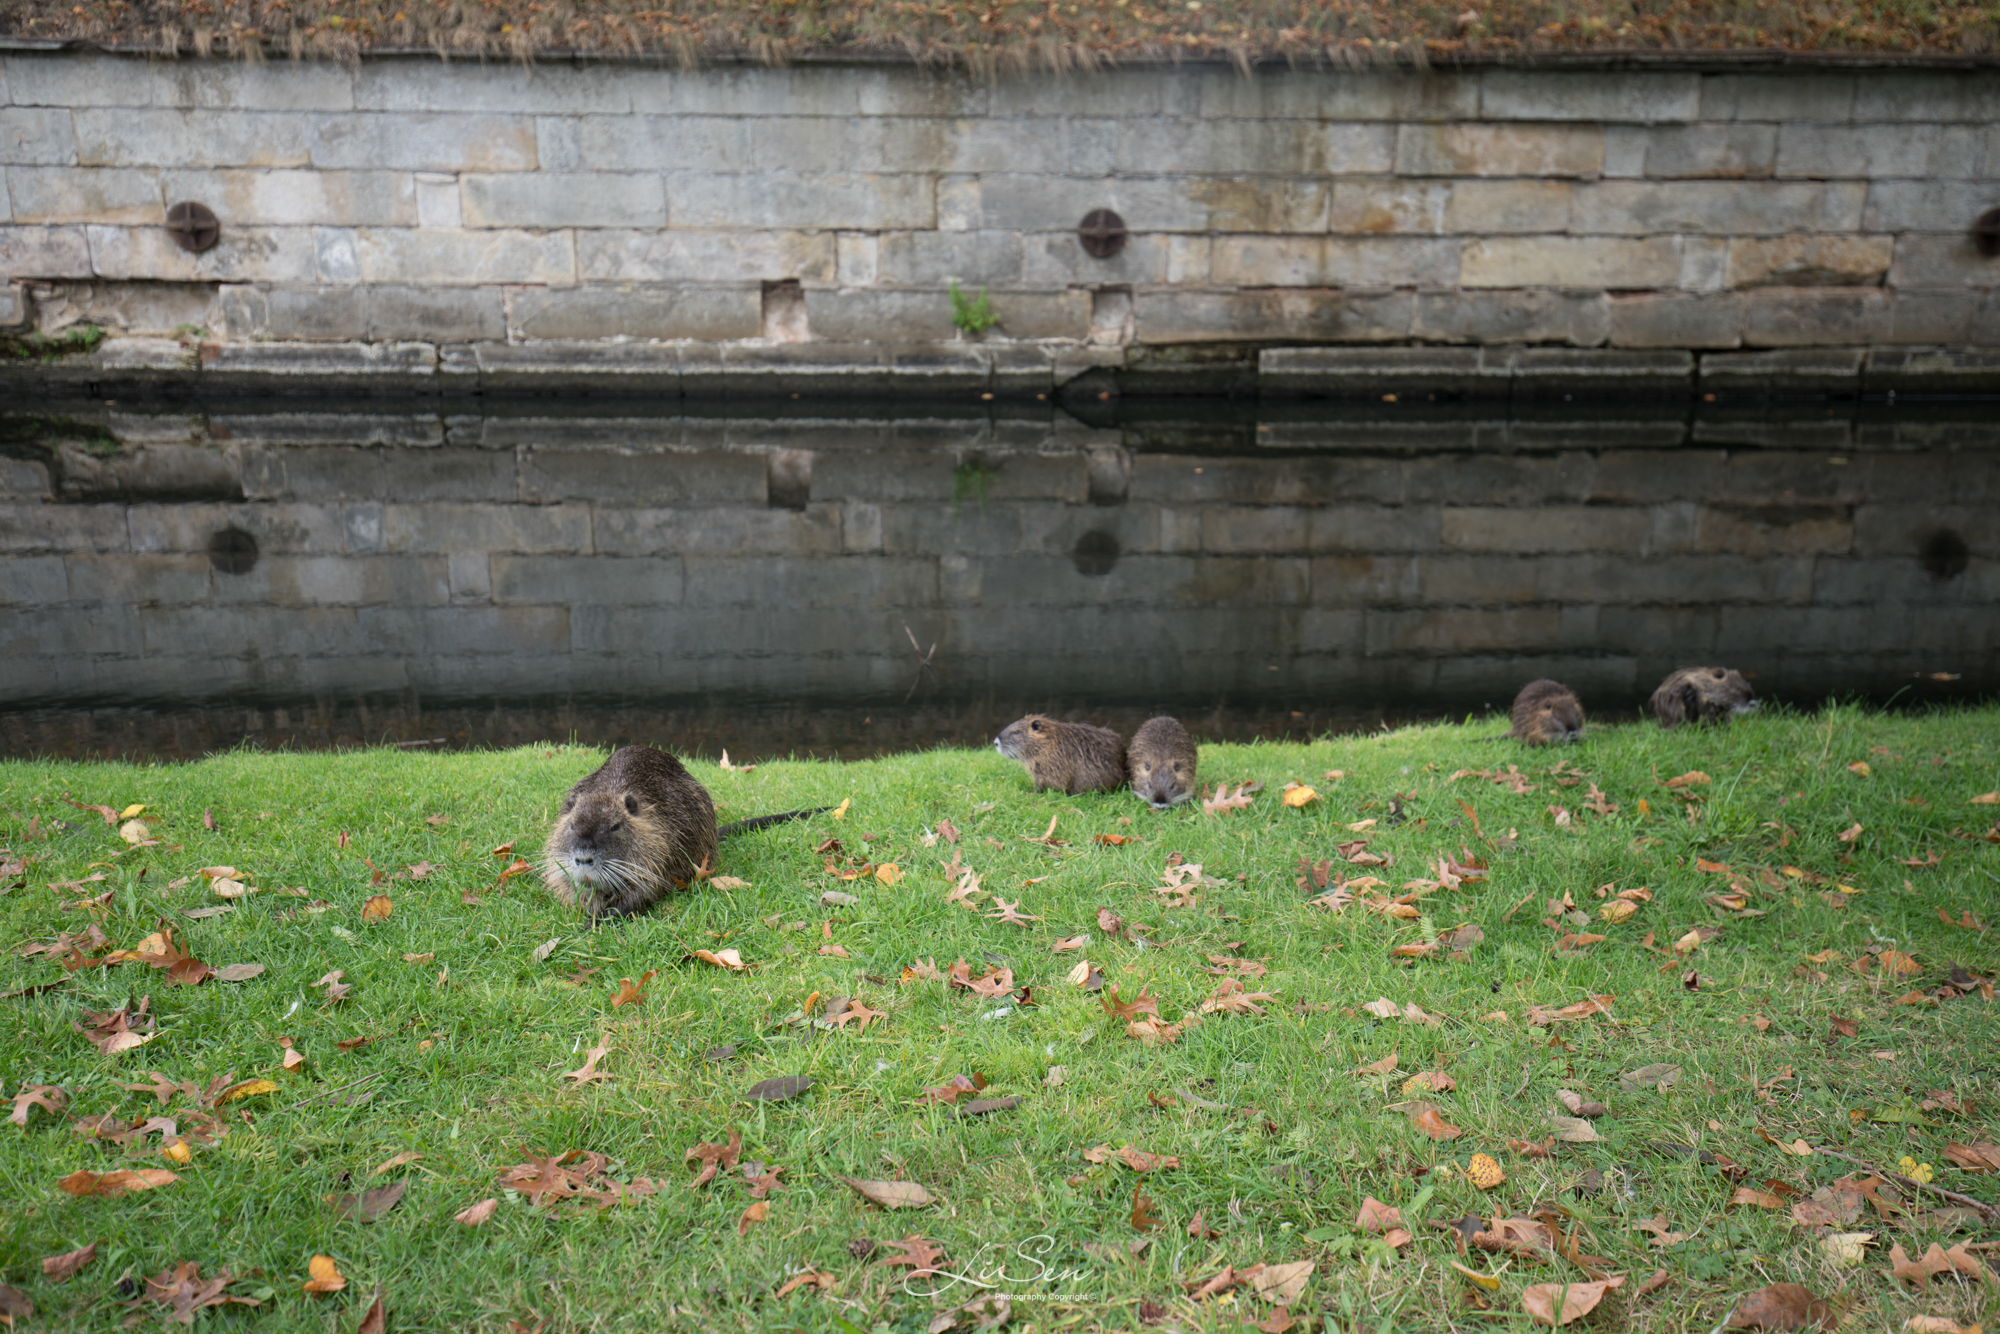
(1436, 562)
(408, 200)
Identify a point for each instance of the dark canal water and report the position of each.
(847, 579)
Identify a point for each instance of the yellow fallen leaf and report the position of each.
(376, 908)
(1484, 1172)
(1490, 1282)
(729, 959)
(249, 1088)
(177, 1152)
(1859, 767)
(888, 873)
(325, 1277)
(840, 812)
(134, 809)
(1617, 910)
(1298, 794)
(134, 831)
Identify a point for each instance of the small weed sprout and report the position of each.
(973, 315)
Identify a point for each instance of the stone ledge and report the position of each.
(15, 312)
(1797, 370)
(1929, 370)
(319, 359)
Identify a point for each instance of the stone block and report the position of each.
(37, 136)
(389, 313)
(625, 311)
(44, 252)
(72, 633)
(1731, 151)
(563, 199)
(1549, 95)
(1021, 144)
(287, 198)
(1113, 92)
(1057, 258)
(751, 256)
(604, 581)
(925, 259)
(1571, 262)
(1275, 315)
(1807, 317)
(75, 79)
(801, 199)
(495, 529)
(1832, 368)
(1676, 319)
(413, 256)
(1508, 206)
(1148, 204)
(33, 526)
(366, 361)
(1336, 95)
(1724, 208)
(1926, 206)
(1460, 630)
(1387, 205)
(1810, 261)
(1250, 147)
(1773, 530)
(15, 309)
(865, 315)
(1854, 152)
(419, 142)
(1549, 370)
(1372, 529)
(449, 474)
(1940, 260)
(545, 88)
(1582, 319)
(1556, 528)
(1932, 370)
(242, 85)
(1802, 95)
(1927, 95)
(471, 576)
(1460, 149)
(1336, 261)
(243, 254)
(852, 583)
(1366, 372)
(643, 479)
(1254, 529)
(665, 143)
(86, 194)
(128, 137)
(38, 581)
(717, 530)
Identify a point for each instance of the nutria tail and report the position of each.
(756, 822)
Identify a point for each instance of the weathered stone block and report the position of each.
(495, 529)
(1545, 528)
(1865, 151)
(1148, 204)
(33, 136)
(665, 143)
(1715, 207)
(449, 474)
(418, 143)
(137, 580)
(1269, 147)
(1622, 96)
(37, 581)
(403, 255)
(337, 360)
(1734, 151)
(1578, 318)
(1810, 261)
(563, 199)
(1804, 95)
(1371, 529)
(15, 309)
(718, 530)
(1057, 258)
(44, 252)
(129, 137)
(1335, 261)
(1459, 149)
(1366, 371)
(1133, 92)
(1550, 370)
(1812, 317)
(605, 581)
(1941, 260)
(664, 312)
(1927, 95)
(548, 88)
(1273, 314)
(1676, 319)
(383, 313)
(926, 258)
(1339, 95)
(287, 198)
(34, 526)
(85, 194)
(1773, 530)
(243, 254)
(1571, 262)
(1509, 206)
(705, 256)
(1388, 205)
(70, 633)
(1932, 370)
(1920, 206)
(646, 479)
(1458, 630)
(854, 583)
(864, 315)
(800, 199)
(1835, 368)
(1029, 144)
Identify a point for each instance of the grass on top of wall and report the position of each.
(1797, 920)
(994, 36)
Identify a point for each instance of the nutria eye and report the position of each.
(631, 804)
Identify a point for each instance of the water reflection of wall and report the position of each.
(1400, 561)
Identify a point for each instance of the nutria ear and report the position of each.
(1035, 726)
(569, 803)
(631, 804)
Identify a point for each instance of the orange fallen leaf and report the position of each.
(118, 1182)
(325, 1277)
(1425, 1117)
(729, 959)
(375, 908)
(756, 1213)
(630, 992)
(1560, 1303)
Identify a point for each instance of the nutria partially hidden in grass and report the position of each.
(1546, 713)
(1702, 695)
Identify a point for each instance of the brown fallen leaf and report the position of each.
(1782, 1306)
(1143, 1218)
(1560, 1303)
(729, 959)
(184, 1292)
(118, 1182)
(368, 1205)
(715, 1158)
(376, 908)
(374, 1320)
(1981, 1157)
(51, 1098)
(1425, 1116)
(402, 1159)
(758, 1211)
(59, 1268)
(1376, 1216)
(1282, 1284)
(813, 1278)
(891, 1194)
(630, 992)
(474, 1215)
(588, 1071)
(920, 1254)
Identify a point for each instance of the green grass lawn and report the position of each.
(472, 998)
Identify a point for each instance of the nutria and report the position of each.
(1162, 758)
(1702, 695)
(633, 831)
(1546, 712)
(1075, 757)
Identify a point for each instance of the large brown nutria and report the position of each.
(1545, 713)
(1702, 695)
(1162, 758)
(633, 831)
(1073, 757)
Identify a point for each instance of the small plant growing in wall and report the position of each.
(972, 314)
(40, 347)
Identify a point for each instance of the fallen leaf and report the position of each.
(374, 1320)
(1424, 1116)
(1761, 1199)
(118, 1182)
(588, 1071)
(1142, 1218)
(630, 992)
(59, 1268)
(1847, 1248)
(891, 1194)
(779, 1089)
(1657, 1076)
(729, 959)
(1484, 1172)
(325, 1277)
(368, 1205)
(375, 908)
(51, 1098)
(1282, 1284)
(1574, 1130)
(1560, 1303)
(237, 972)
(756, 1213)
(714, 1158)
(1781, 1306)
(1222, 800)
(1981, 1157)
(1298, 794)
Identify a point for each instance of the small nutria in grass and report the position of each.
(1547, 712)
(634, 831)
(1702, 695)
(1162, 758)
(1071, 757)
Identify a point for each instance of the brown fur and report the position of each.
(1702, 695)
(1072, 757)
(1162, 758)
(1545, 713)
(629, 834)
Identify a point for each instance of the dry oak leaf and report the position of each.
(1143, 1218)
(325, 1277)
(185, 1292)
(474, 1215)
(51, 1098)
(588, 1071)
(1376, 1216)
(729, 959)
(756, 1213)
(922, 1255)
(812, 1278)
(630, 992)
(59, 1268)
(1560, 1303)
(336, 990)
(1782, 1306)
(1282, 1284)
(1936, 1260)
(1542, 1017)
(1136, 1159)
(1386, 1065)
(1424, 1116)
(1222, 800)
(715, 1158)
(890, 1195)
(858, 1010)
(1981, 1157)
(368, 1205)
(118, 1182)
(1761, 1199)
(1433, 1081)
(1231, 998)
